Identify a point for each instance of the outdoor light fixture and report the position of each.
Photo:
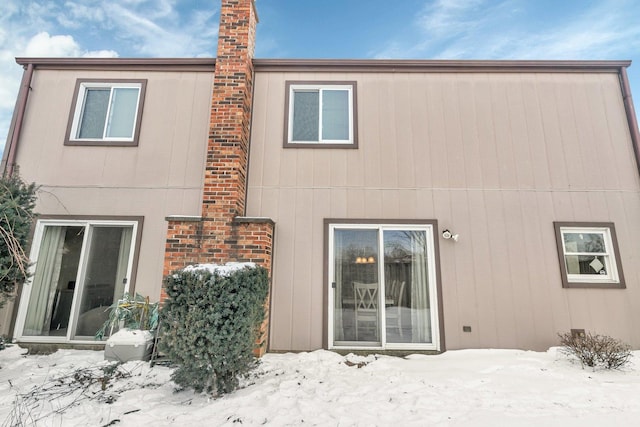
(446, 234)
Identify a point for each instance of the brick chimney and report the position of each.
(228, 147)
(222, 233)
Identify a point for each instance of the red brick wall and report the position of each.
(222, 234)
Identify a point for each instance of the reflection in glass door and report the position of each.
(407, 308)
(382, 301)
(104, 277)
(80, 270)
(357, 286)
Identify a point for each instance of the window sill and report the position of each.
(350, 145)
(100, 143)
(595, 285)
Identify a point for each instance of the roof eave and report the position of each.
(439, 65)
(164, 64)
(329, 65)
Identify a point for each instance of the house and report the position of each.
(399, 205)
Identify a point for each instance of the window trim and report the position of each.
(76, 110)
(291, 85)
(608, 228)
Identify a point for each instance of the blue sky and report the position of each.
(425, 29)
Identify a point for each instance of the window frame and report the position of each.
(293, 85)
(77, 108)
(85, 221)
(614, 279)
(435, 285)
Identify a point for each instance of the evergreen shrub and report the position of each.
(210, 323)
(17, 200)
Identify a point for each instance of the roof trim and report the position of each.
(436, 65)
(150, 64)
(328, 65)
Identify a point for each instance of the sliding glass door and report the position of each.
(382, 288)
(80, 269)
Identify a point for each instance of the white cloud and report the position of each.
(505, 29)
(45, 45)
(194, 35)
(598, 33)
(147, 28)
(444, 18)
(42, 44)
(79, 14)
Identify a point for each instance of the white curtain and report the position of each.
(338, 248)
(45, 282)
(420, 322)
(123, 262)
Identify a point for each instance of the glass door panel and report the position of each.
(407, 297)
(356, 287)
(104, 276)
(54, 281)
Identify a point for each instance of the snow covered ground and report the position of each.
(457, 388)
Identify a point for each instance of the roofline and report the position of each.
(150, 64)
(437, 65)
(328, 65)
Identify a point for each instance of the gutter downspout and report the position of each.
(631, 115)
(14, 134)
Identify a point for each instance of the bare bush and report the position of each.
(58, 394)
(596, 350)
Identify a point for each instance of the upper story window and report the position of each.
(321, 114)
(589, 255)
(106, 112)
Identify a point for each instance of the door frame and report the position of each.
(79, 221)
(330, 224)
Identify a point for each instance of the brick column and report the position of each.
(222, 233)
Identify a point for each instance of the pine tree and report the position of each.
(210, 324)
(17, 200)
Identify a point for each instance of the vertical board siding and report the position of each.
(496, 158)
(161, 176)
(303, 220)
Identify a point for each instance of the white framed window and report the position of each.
(106, 112)
(589, 255)
(321, 114)
(81, 266)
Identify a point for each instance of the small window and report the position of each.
(589, 255)
(320, 114)
(106, 113)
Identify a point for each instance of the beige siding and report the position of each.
(494, 157)
(162, 176)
